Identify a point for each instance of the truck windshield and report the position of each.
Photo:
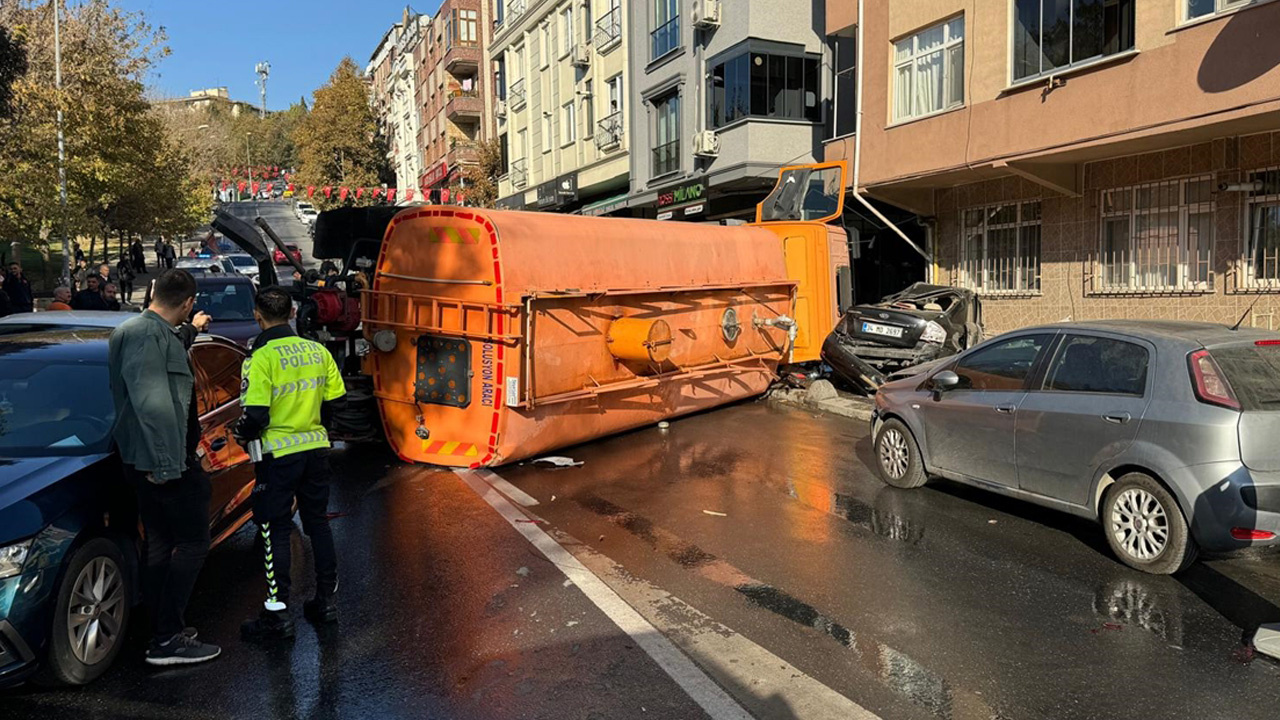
(1254, 374)
(805, 194)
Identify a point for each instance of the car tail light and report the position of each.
(1210, 384)
(1251, 534)
(1264, 343)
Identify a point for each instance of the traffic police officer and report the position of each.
(288, 383)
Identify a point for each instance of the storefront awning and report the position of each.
(606, 206)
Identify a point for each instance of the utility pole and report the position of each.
(263, 69)
(62, 147)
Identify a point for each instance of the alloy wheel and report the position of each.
(1139, 524)
(95, 614)
(894, 456)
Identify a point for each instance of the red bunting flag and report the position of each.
(224, 185)
(376, 193)
(342, 194)
(270, 187)
(289, 187)
(459, 199)
(240, 186)
(311, 190)
(391, 195)
(408, 195)
(359, 193)
(328, 191)
(444, 196)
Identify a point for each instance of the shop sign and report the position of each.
(687, 192)
(561, 191)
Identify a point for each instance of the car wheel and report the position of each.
(95, 601)
(897, 457)
(1145, 527)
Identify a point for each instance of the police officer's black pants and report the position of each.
(305, 476)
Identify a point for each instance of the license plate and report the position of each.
(878, 329)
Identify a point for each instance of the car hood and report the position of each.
(241, 332)
(21, 479)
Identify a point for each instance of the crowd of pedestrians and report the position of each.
(92, 287)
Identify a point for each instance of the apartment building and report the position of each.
(561, 73)
(724, 93)
(1079, 159)
(453, 94)
(393, 95)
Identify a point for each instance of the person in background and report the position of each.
(79, 253)
(18, 288)
(109, 296)
(125, 271)
(90, 298)
(61, 298)
(82, 273)
(104, 275)
(5, 307)
(169, 253)
(157, 432)
(139, 260)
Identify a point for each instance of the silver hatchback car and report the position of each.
(1168, 433)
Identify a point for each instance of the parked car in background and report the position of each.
(69, 540)
(279, 257)
(308, 217)
(920, 324)
(301, 205)
(245, 265)
(205, 262)
(1164, 432)
(228, 299)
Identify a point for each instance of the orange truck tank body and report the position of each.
(504, 335)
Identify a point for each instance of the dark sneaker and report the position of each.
(190, 632)
(321, 610)
(269, 625)
(181, 650)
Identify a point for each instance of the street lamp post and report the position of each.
(62, 147)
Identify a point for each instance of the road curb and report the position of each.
(847, 406)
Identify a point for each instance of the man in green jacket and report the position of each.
(157, 432)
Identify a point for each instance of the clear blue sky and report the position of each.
(216, 43)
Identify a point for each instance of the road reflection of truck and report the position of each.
(473, 337)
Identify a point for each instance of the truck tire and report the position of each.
(1145, 527)
(897, 457)
(91, 619)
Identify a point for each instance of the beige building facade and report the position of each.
(561, 73)
(1084, 159)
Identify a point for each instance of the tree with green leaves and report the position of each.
(337, 142)
(13, 64)
(480, 181)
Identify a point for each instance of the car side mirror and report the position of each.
(945, 380)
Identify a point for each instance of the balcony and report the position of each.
(609, 31)
(464, 106)
(463, 58)
(519, 173)
(516, 95)
(462, 152)
(666, 158)
(609, 133)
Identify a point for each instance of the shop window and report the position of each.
(928, 71)
(1156, 237)
(1000, 248)
(1052, 35)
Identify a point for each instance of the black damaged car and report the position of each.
(917, 325)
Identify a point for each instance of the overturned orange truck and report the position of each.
(494, 336)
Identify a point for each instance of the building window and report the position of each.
(1204, 8)
(665, 36)
(500, 77)
(546, 44)
(1157, 237)
(1050, 35)
(844, 58)
(1000, 248)
(568, 123)
(764, 85)
(588, 105)
(928, 71)
(546, 132)
(586, 21)
(1262, 264)
(467, 27)
(566, 31)
(666, 145)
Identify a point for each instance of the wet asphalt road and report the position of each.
(941, 602)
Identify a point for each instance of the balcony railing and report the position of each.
(609, 30)
(463, 152)
(515, 94)
(463, 104)
(609, 132)
(666, 158)
(519, 172)
(666, 38)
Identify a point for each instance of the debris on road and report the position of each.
(717, 514)
(558, 461)
(523, 571)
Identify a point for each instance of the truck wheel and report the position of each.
(897, 457)
(95, 601)
(1145, 527)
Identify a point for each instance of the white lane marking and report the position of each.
(501, 485)
(701, 688)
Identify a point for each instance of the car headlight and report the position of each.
(934, 333)
(12, 557)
